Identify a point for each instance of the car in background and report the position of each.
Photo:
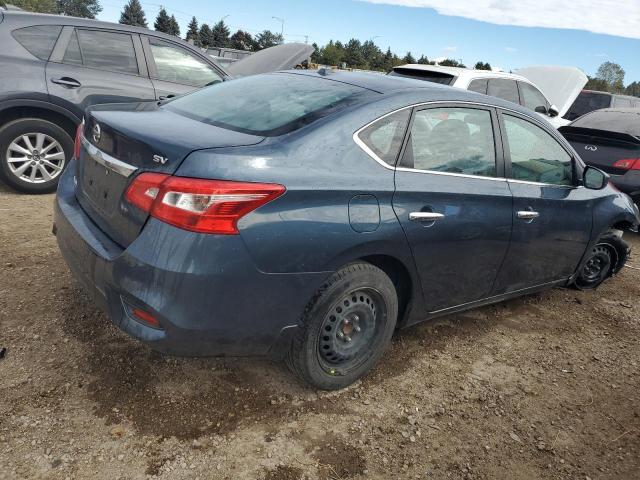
(53, 67)
(517, 88)
(307, 215)
(590, 100)
(610, 140)
(226, 56)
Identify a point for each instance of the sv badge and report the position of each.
(160, 159)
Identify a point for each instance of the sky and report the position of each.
(508, 34)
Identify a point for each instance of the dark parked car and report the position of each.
(53, 67)
(590, 100)
(309, 215)
(610, 140)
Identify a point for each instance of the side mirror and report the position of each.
(542, 109)
(594, 178)
(553, 111)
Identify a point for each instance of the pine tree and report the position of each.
(206, 36)
(242, 41)
(192, 32)
(78, 8)
(268, 39)
(408, 58)
(163, 22)
(38, 6)
(174, 27)
(220, 35)
(133, 14)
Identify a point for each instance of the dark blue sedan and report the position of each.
(307, 216)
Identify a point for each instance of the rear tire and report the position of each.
(33, 154)
(345, 327)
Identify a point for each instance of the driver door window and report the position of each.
(177, 65)
(535, 155)
(452, 140)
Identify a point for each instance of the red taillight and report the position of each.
(76, 146)
(204, 206)
(145, 317)
(628, 164)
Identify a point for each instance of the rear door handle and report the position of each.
(66, 82)
(425, 216)
(527, 214)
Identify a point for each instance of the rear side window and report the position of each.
(435, 77)
(384, 137)
(504, 89)
(39, 40)
(621, 102)
(478, 85)
(535, 155)
(268, 105)
(104, 50)
(532, 98)
(452, 140)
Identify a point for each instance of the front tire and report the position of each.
(345, 328)
(33, 154)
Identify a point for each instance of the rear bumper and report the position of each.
(205, 290)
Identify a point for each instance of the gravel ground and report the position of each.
(542, 387)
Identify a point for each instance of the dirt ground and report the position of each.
(542, 387)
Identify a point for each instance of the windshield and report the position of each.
(625, 121)
(268, 105)
(587, 102)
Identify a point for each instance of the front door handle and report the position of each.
(166, 97)
(527, 214)
(425, 216)
(66, 82)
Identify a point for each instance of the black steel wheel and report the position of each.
(345, 328)
(596, 269)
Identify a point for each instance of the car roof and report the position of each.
(462, 72)
(19, 18)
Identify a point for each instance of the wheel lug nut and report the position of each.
(357, 328)
(347, 339)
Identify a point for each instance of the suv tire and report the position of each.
(46, 149)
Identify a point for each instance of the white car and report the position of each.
(561, 85)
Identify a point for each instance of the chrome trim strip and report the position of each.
(451, 174)
(107, 160)
(526, 182)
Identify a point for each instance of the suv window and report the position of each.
(39, 40)
(621, 102)
(535, 155)
(452, 140)
(478, 85)
(178, 65)
(532, 98)
(101, 49)
(504, 89)
(384, 137)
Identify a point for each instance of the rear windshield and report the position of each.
(588, 102)
(435, 77)
(622, 122)
(268, 105)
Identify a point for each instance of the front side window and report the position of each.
(535, 155)
(175, 64)
(532, 98)
(504, 89)
(270, 104)
(384, 137)
(103, 50)
(39, 40)
(452, 140)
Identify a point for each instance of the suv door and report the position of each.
(90, 66)
(453, 202)
(174, 70)
(503, 88)
(551, 215)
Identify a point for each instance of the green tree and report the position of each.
(633, 89)
(331, 53)
(220, 35)
(316, 56)
(242, 41)
(78, 8)
(133, 14)
(408, 58)
(192, 32)
(597, 84)
(163, 21)
(424, 60)
(38, 6)
(613, 75)
(372, 56)
(353, 54)
(206, 37)
(268, 39)
(449, 62)
(174, 27)
(482, 66)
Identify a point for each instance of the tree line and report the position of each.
(352, 54)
